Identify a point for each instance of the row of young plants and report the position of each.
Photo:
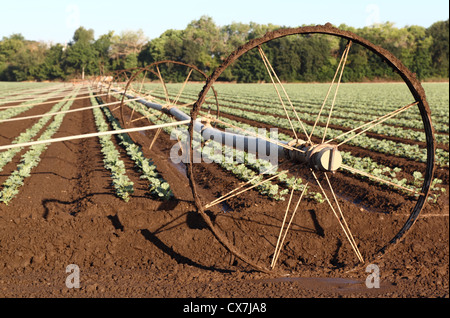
(26, 94)
(158, 187)
(238, 169)
(401, 125)
(310, 110)
(366, 100)
(381, 129)
(244, 169)
(438, 95)
(360, 102)
(12, 91)
(27, 135)
(340, 118)
(413, 152)
(390, 174)
(366, 164)
(277, 191)
(31, 158)
(363, 164)
(24, 106)
(111, 157)
(394, 175)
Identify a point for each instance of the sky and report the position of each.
(54, 21)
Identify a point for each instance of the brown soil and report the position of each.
(67, 213)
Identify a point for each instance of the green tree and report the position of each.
(419, 48)
(125, 48)
(169, 46)
(19, 58)
(51, 68)
(81, 55)
(10, 47)
(82, 35)
(439, 32)
(249, 68)
(103, 47)
(202, 45)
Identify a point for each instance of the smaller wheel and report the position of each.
(166, 83)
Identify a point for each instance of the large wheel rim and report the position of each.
(409, 79)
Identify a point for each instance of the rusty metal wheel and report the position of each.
(157, 84)
(320, 163)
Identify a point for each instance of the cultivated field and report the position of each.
(121, 207)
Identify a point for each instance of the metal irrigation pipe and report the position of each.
(248, 144)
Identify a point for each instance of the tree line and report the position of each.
(425, 51)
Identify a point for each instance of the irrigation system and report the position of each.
(304, 151)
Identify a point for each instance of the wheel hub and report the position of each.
(322, 157)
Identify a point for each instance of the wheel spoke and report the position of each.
(154, 138)
(182, 88)
(277, 253)
(328, 93)
(163, 85)
(142, 83)
(371, 124)
(365, 174)
(234, 193)
(264, 58)
(347, 49)
(271, 71)
(132, 113)
(342, 223)
(130, 120)
(147, 115)
(351, 238)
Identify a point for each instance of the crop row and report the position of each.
(366, 164)
(363, 164)
(413, 152)
(12, 90)
(354, 99)
(28, 134)
(31, 158)
(359, 102)
(158, 187)
(24, 106)
(350, 123)
(237, 108)
(240, 170)
(244, 169)
(111, 158)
